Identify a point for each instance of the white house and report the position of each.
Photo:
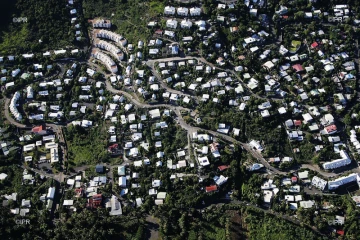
(13, 108)
(51, 193)
(256, 145)
(182, 11)
(171, 23)
(186, 24)
(169, 10)
(195, 11)
(122, 181)
(111, 36)
(15, 72)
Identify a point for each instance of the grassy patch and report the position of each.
(87, 146)
(129, 18)
(12, 40)
(116, 160)
(156, 7)
(214, 232)
(295, 45)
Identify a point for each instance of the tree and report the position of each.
(140, 233)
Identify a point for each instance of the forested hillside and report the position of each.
(46, 20)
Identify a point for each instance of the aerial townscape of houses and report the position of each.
(149, 101)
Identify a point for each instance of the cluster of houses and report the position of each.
(126, 181)
(218, 180)
(292, 187)
(339, 13)
(125, 177)
(136, 125)
(291, 190)
(181, 12)
(10, 78)
(25, 205)
(221, 81)
(74, 21)
(28, 56)
(88, 190)
(48, 147)
(329, 130)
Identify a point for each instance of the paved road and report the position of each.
(57, 177)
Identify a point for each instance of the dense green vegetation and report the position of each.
(84, 225)
(265, 226)
(129, 18)
(86, 147)
(229, 222)
(48, 21)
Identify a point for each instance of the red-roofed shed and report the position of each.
(159, 32)
(331, 129)
(113, 147)
(297, 123)
(223, 167)
(314, 45)
(298, 68)
(211, 188)
(40, 130)
(340, 232)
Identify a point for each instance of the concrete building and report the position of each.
(106, 60)
(343, 161)
(115, 51)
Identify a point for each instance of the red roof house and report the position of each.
(113, 147)
(331, 129)
(314, 45)
(211, 188)
(79, 192)
(223, 167)
(159, 32)
(40, 130)
(340, 232)
(294, 179)
(297, 123)
(298, 68)
(95, 201)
